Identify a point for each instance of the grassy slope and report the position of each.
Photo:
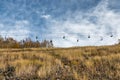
(78, 63)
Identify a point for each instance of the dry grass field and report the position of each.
(77, 63)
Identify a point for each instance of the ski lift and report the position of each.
(50, 41)
(118, 41)
(88, 36)
(111, 35)
(23, 41)
(36, 37)
(101, 39)
(63, 37)
(77, 40)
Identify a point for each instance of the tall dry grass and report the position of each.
(79, 63)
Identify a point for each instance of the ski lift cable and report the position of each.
(51, 36)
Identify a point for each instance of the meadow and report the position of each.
(75, 63)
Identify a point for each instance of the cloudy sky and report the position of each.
(53, 19)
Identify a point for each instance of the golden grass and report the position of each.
(78, 63)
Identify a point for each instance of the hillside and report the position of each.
(78, 63)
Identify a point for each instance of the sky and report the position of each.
(53, 19)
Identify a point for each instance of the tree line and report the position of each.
(27, 43)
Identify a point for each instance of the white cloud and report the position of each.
(106, 23)
(45, 16)
(18, 31)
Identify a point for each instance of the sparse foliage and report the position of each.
(27, 43)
